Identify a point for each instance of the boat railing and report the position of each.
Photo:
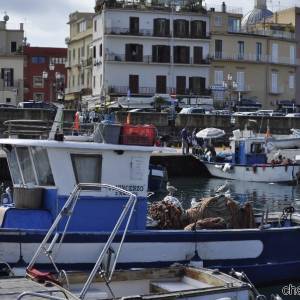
(67, 212)
(42, 296)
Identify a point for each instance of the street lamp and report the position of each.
(230, 85)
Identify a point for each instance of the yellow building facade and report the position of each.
(259, 65)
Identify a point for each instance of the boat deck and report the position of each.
(12, 288)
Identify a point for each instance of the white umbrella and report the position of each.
(210, 133)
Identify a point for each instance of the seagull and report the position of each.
(223, 188)
(171, 189)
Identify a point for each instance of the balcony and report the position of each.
(253, 57)
(68, 64)
(150, 91)
(276, 90)
(148, 33)
(87, 62)
(11, 86)
(149, 59)
(165, 6)
(279, 34)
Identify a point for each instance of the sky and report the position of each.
(45, 20)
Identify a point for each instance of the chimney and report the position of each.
(21, 26)
(223, 7)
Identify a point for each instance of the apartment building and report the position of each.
(45, 74)
(145, 48)
(250, 61)
(11, 63)
(79, 61)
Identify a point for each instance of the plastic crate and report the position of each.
(139, 135)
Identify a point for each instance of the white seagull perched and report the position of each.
(223, 188)
(171, 189)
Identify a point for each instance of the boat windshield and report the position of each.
(30, 166)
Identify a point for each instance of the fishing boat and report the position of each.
(250, 163)
(47, 174)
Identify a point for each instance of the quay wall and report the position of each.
(277, 125)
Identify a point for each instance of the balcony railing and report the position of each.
(265, 32)
(253, 57)
(149, 59)
(277, 90)
(150, 91)
(148, 33)
(11, 86)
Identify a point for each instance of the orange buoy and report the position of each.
(77, 121)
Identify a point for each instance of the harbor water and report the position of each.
(263, 196)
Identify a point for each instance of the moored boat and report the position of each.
(44, 174)
(250, 163)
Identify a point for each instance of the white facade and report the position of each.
(11, 65)
(116, 69)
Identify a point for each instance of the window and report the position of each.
(8, 100)
(219, 77)
(161, 84)
(94, 82)
(133, 52)
(292, 55)
(161, 27)
(241, 50)
(87, 168)
(134, 84)
(7, 75)
(95, 25)
(258, 51)
(218, 49)
(198, 29)
(38, 96)
(94, 52)
(198, 55)
(26, 165)
(100, 50)
(291, 81)
(42, 166)
(181, 55)
(74, 54)
(134, 25)
(82, 26)
(234, 25)
(275, 53)
(13, 166)
(73, 80)
(274, 83)
(38, 60)
(38, 82)
(240, 80)
(180, 85)
(218, 21)
(197, 85)
(82, 51)
(181, 28)
(13, 47)
(161, 54)
(82, 78)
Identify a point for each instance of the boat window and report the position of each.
(87, 168)
(257, 148)
(13, 167)
(42, 166)
(26, 165)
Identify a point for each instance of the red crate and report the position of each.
(139, 135)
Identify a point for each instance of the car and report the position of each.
(264, 113)
(192, 110)
(37, 104)
(293, 115)
(4, 105)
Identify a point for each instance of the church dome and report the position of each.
(257, 15)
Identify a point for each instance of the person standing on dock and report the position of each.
(185, 141)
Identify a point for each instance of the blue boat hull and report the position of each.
(275, 254)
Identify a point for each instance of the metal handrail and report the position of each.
(38, 295)
(67, 211)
